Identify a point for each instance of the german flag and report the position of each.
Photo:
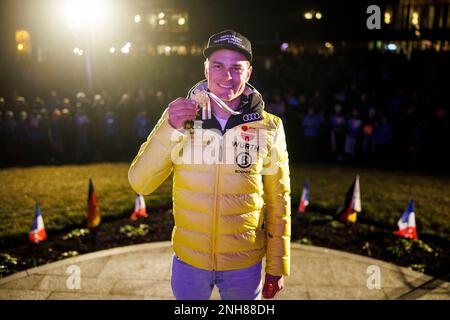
(352, 204)
(93, 211)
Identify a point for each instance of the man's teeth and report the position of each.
(224, 86)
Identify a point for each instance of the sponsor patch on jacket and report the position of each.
(248, 133)
(244, 160)
(251, 117)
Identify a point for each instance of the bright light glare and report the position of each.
(84, 13)
(387, 17)
(181, 21)
(126, 48)
(161, 15)
(392, 46)
(284, 46)
(415, 18)
(308, 15)
(20, 47)
(137, 18)
(318, 15)
(328, 45)
(78, 51)
(112, 50)
(162, 22)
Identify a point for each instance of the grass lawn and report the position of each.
(384, 194)
(62, 193)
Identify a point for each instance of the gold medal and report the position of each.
(201, 97)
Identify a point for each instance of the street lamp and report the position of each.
(81, 14)
(84, 18)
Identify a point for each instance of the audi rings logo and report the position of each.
(244, 160)
(251, 117)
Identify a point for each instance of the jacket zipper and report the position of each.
(216, 204)
(220, 149)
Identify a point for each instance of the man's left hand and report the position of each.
(272, 285)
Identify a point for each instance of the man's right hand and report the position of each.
(180, 111)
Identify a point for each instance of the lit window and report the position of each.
(182, 50)
(415, 19)
(169, 20)
(387, 17)
(23, 41)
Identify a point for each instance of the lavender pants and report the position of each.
(190, 283)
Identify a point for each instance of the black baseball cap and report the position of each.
(229, 39)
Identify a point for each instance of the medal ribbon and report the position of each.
(222, 104)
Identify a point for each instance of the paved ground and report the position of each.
(143, 272)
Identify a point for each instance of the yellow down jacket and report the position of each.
(231, 187)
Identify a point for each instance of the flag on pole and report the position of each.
(304, 201)
(407, 223)
(352, 203)
(37, 232)
(93, 211)
(139, 208)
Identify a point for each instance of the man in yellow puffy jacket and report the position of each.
(231, 187)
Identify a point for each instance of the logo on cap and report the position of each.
(229, 39)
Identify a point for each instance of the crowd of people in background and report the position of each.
(79, 130)
(363, 107)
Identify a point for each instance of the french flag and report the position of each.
(407, 223)
(37, 233)
(139, 208)
(304, 201)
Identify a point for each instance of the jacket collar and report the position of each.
(251, 105)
